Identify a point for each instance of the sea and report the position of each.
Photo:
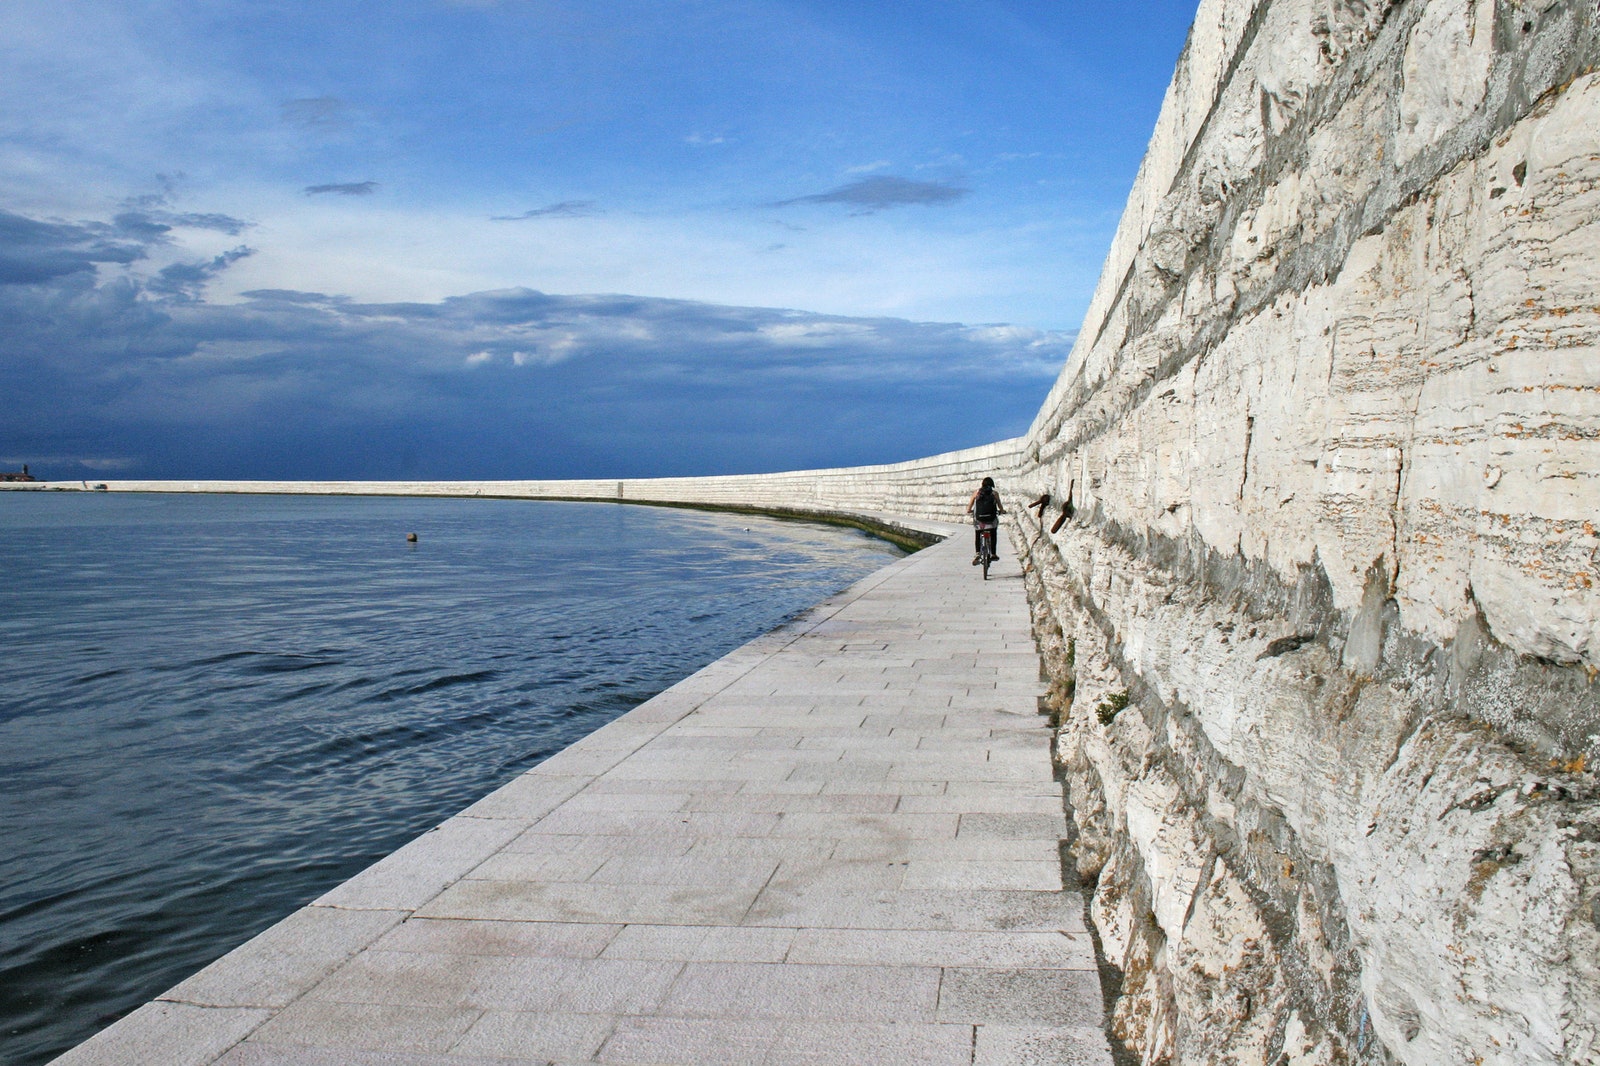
(215, 708)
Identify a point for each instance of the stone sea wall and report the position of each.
(933, 488)
(1323, 625)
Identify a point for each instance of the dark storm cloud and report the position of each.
(147, 225)
(349, 188)
(141, 226)
(202, 220)
(150, 217)
(185, 281)
(512, 383)
(293, 296)
(565, 209)
(880, 193)
(34, 251)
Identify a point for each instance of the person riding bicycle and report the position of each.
(985, 509)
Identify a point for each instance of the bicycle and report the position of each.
(986, 552)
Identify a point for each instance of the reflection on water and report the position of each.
(212, 709)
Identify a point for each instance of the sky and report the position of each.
(552, 238)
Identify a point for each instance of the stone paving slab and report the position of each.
(838, 844)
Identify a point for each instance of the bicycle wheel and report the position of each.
(987, 554)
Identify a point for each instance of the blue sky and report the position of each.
(516, 238)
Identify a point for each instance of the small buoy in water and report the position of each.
(411, 538)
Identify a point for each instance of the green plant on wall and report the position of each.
(1111, 706)
(1069, 685)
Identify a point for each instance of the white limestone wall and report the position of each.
(1325, 625)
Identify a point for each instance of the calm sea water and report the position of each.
(212, 709)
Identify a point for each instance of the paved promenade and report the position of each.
(836, 845)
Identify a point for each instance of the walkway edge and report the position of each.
(221, 1005)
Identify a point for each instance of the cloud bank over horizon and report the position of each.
(132, 372)
(252, 240)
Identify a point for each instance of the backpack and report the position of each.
(986, 509)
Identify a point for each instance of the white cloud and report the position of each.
(803, 334)
(374, 250)
(1003, 334)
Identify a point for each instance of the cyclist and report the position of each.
(985, 509)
